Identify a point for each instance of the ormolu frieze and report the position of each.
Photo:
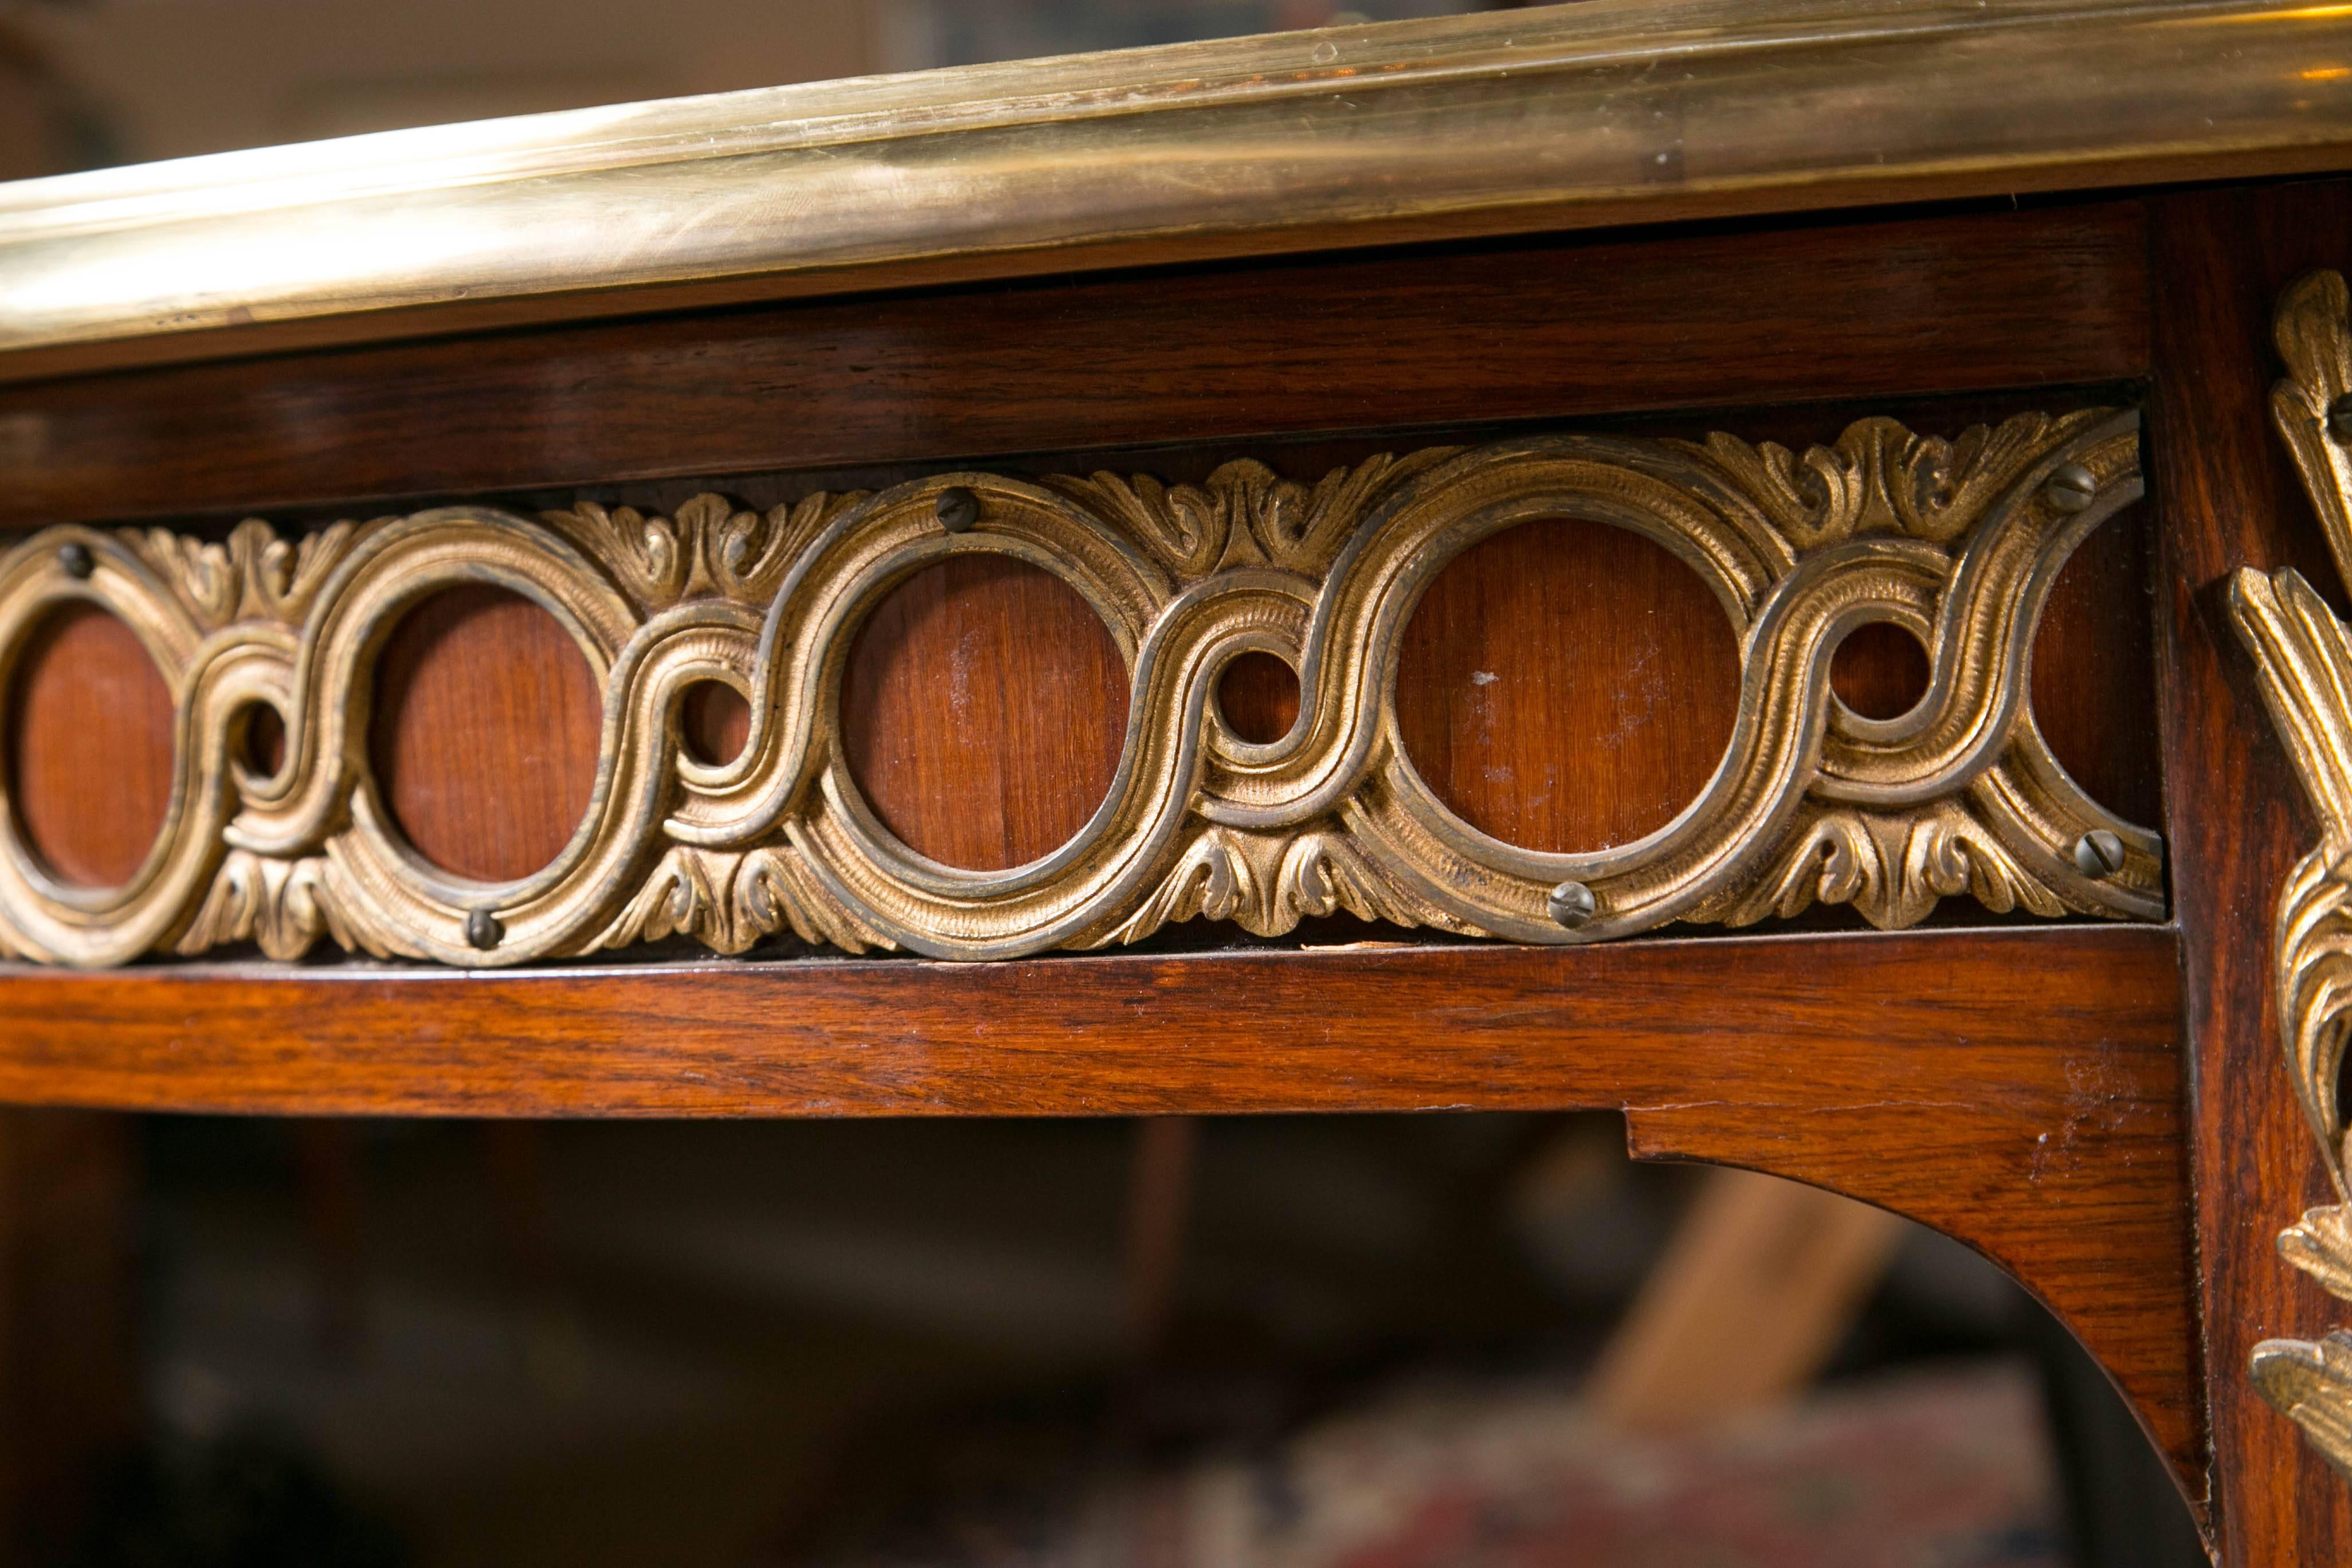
(1960, 541)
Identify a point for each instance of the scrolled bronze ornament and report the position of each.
(1959, 541)
(2303, 656)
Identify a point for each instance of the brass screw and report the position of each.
(75, 560)
(2098, 854)
(1572, 904)
(2071, 487)
(957, 508)
(483, 929)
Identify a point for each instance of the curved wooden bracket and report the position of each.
(2018, 1088)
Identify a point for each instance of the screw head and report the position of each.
(1572, 905)
(957, 508)
(75, 560)
(483, 929)
(2071, 488)
(2339, 419)
(2098, 854)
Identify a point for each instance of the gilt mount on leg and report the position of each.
(2303, 656)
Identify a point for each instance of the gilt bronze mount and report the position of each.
(2303, 654)
(1959, 541)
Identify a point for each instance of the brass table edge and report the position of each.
(1607, 112)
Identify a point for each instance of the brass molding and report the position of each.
(1958, 541)
(1608, 112)
(2303, 656)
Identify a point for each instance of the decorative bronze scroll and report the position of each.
(1960, 541)
(2303, 657)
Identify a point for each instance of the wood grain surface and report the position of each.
(89, 747)
(1880, 670)
(1258, 695)
(2094, 666)
(1567, 686)
(2018, 1088)
(1535, 330)
(715, 722)
(484, 732)
(2228, 499)
(983, 708)
(1869, 309)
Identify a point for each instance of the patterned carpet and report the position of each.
(1942, 1469)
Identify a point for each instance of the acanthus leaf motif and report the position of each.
(2302, 660)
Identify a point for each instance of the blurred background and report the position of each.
(100, 82)
(1379, 1341)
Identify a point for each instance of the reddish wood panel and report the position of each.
(2018, 1088)
(2095, 668)
(1880, 670)
(1536, 330)
(715, 722)
(484, 733)
(1567, 686)
(2235, 824)
(983, 704)
(1258, 695)
(89, 747)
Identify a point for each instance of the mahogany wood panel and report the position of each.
(2095, 668)
(716, 721)
(1258, 695)
(89, 747)
(1552, 328)
(1880, 670)
(2018, 1088)
(1567, 686)
(982, 710)
(484, 733)
(2236, 825)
